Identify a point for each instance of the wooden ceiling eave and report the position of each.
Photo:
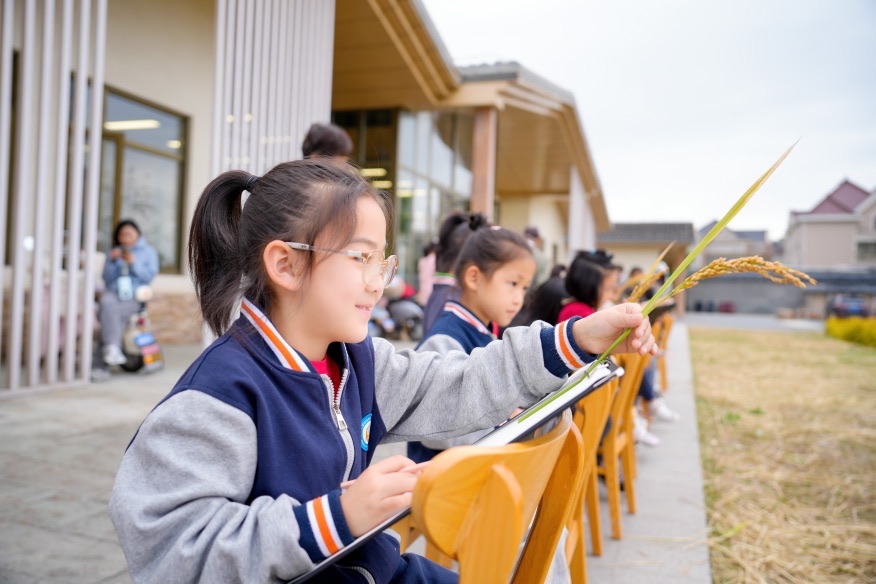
(436, 78)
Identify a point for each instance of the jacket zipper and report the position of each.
(334, 396)
(368, 576)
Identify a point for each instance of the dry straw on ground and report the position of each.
(788, 429)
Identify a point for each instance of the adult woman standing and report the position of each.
(131, 263)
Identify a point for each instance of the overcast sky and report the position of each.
(685, 103)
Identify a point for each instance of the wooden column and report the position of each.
(483, 161)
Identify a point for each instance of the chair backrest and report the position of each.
(634, 369)
(590, 417)
(591, 414)
(663, 342)
(665, 327)
(475, 503)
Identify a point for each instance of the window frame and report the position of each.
(182, 159)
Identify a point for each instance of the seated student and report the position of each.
(454, 231)
(131, 263)
(584, 282)
(544, 303)
(235, 476)
(495, 269)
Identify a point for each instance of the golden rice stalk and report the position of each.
(773, 271)
(644, 285)
(630, 283)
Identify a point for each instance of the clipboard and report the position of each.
(519, 428)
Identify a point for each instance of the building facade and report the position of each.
(181, 91)
(838, 233)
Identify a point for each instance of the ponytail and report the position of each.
(213, 248)
(454, 232)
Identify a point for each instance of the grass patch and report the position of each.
(788, 429)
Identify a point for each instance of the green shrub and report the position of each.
(856, 330)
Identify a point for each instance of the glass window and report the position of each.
(421, 146)
(462, 176)
(145, 125)
(142, 172)
(407, 135)
(434, 178)
(867, 251)
(349, 121)
(441, 167)
(150, 186)
(106, 202)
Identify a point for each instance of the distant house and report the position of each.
(639, 244)
(839, 232)
(734, 244)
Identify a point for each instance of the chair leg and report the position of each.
(578, 565)
(593, 518)
(437, 556)
(661, 366)
(612, 483)
(628, 458)
(407, 532)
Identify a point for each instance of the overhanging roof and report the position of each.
(641, 233)
(547, 136)
(388, 54)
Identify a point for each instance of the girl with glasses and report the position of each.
(236, 474)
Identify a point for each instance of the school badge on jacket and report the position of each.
(366, 432)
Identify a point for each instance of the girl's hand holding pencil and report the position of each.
(384, 488)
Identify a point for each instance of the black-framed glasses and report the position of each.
(374, 265)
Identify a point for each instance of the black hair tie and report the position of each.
(250, 183)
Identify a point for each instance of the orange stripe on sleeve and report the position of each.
(322, 523)
(566, 350)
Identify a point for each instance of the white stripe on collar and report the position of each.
(287, 356)
(462, 312)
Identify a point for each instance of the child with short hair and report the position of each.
(494, 270)
(235, 475)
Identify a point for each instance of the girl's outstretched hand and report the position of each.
(598, 331)
(384, 488)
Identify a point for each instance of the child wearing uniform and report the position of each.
(454, 232)
(494, 271)
(235, 475)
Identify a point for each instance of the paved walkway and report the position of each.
(59, 453)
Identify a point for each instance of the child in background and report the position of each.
(452, 236)
(235, 475)
(585, 283)
(494, 271)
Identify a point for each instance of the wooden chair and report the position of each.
(475, 504)
(408, 532)
(619, 444)
(590, 417)
(662, 341)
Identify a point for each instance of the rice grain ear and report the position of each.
(773, 271)
(713, 232)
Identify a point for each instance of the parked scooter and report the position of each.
(138, 343)
(381, 323)
(397, 315)
(408, 317)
